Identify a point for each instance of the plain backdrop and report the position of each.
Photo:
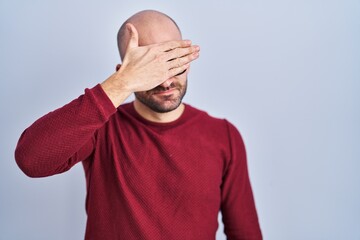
(286, 73)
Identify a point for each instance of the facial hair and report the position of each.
(163, 103)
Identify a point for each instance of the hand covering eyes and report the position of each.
(180, 73)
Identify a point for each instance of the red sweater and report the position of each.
(146, 180)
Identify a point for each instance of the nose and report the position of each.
(167, 83)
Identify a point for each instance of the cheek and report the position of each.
(183, 81)
(140, 94)
(180, 80)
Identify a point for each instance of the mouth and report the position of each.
(165, 91)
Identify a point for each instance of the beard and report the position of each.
(163, 103)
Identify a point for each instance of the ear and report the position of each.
(118, 66)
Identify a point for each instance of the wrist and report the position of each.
(117, 93)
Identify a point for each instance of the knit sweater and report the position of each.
(146, 180)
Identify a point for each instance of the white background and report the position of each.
(286, 73)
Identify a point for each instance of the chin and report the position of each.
(162, 103)
(164, 107)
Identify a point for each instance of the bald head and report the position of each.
(152, 26)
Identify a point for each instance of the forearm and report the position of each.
(115, 91)
(49, 144)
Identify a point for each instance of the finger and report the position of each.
(180, 52)
(167, 46)
(178, 62)
(180, 73)
(134, 36)
(179, 70)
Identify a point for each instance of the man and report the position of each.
(155, 168)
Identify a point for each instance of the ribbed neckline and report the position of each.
(188, 112)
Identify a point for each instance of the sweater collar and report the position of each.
(186, 115)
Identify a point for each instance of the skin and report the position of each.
(153, 55)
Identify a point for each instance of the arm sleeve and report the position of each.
(238, 206)
(60, 139)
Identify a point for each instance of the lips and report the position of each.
(167, 91)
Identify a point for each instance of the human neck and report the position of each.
(153, 116)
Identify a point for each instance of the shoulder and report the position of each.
(202, 115)
(125, 107)
(219, 126)
(206, 118)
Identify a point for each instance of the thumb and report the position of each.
(134, 37)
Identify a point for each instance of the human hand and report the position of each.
(148, 66)
(145, 67)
